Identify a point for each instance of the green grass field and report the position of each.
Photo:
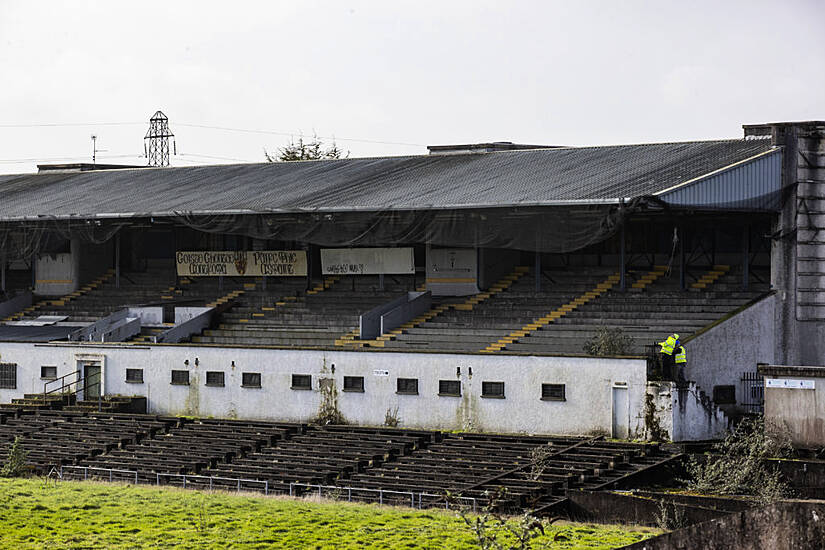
(36, 513)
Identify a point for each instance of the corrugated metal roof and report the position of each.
(753, 184)
(513, 178)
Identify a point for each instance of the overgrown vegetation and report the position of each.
(608, 342)
(391, 419)
(15, 464)
(90, 515)
(494, 531)
(538, 460)
(313, 149)
(670, 517)
(328, 411)
(738, 465)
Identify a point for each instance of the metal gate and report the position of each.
(753, 392)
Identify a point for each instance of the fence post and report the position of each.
(85, 473)
(412, 500)
(266, 487)
(474, 505)
(136, 478)
(184, 481)
(157, 480)
(290, 489)
(349, 494)
(210, 483)
(381, 496)
(110, 475)
(319, 492)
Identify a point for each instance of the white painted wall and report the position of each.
(685, 415)
(589, 383)
(722, 354)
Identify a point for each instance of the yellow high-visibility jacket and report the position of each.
(668, 345)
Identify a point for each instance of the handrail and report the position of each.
(46, 384)
(63, 387)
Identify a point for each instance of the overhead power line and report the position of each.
(293, 134)
(208, 127)
(68, 124)
(52, 159)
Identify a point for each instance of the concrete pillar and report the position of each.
(682, 266)
(622, 268)
(746, 252)
(117, 260)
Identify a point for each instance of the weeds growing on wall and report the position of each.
(328, 411)
(608, 342)
(15, 464)
(653, 428)
(670, 517)
(738, 465)
(391, 419)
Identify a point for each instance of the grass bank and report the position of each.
(45, 514)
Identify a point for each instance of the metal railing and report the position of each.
(416, 500)
(86, 469)
(64, 386)
(187, 481)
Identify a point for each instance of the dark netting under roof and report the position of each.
(551, 200)
(548, 229)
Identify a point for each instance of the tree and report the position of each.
(15, 465)
(306, 150)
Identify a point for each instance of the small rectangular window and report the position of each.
(134, 376)
(251, 380)
(180, 377)
(215, 378)
(724, 395)
(407, 386)
(492, 389)
(552, 392)
(8, 376)
(451, 388)
(301, 381)
(48, 373)
(354, 383)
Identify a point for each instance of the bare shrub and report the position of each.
(608, 342)
(738, 465)
(492, 530)
(391, 419)
(670, 517)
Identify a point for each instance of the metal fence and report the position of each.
(381, 496)
(418, 500)
(753, 392)
(87, 472)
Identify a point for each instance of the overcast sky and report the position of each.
(408, 74)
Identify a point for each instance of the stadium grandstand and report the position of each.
(454, 291)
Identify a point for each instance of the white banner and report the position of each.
(239, 263)
(367, 261)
